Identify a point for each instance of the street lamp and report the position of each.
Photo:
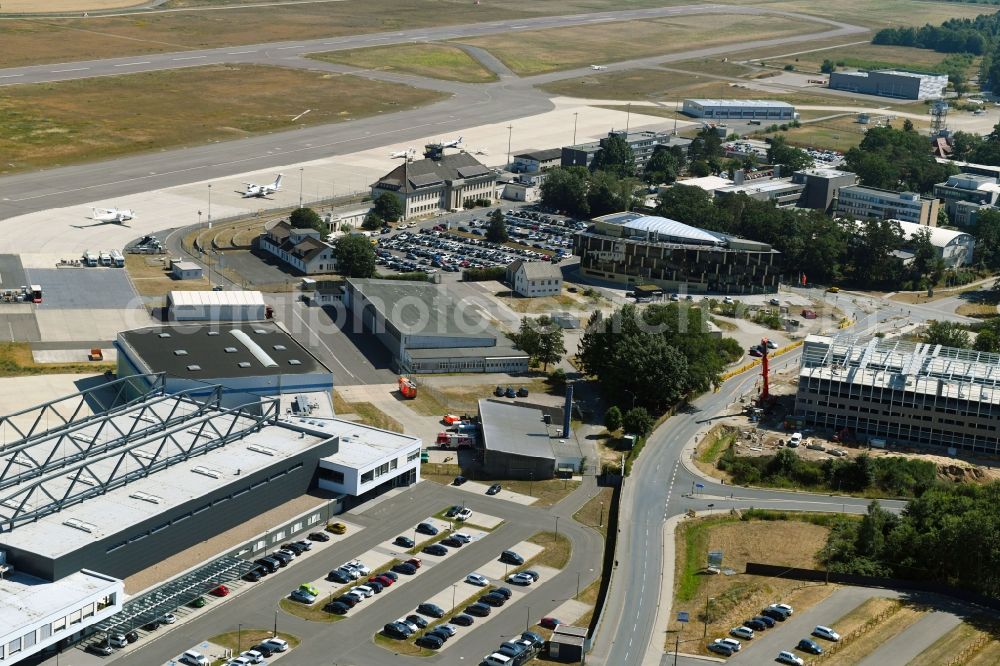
(239, 638)
(510, 133)
(577, 584)
(454, 587)
(708, 606)
(574, 126)
(301, 169)
(601, 524)
(527, 619)
(210, 205)
(557, 528)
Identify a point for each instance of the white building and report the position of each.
(532, 279)
(891, 83)
(185, 270)
(739, 109)
(216, 306)
(954, 247)
(301, 249)
(366, 457)
(860, 202)
(36, 613)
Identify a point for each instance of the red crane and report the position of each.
(765, 393)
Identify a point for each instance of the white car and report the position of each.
(239, 661)
(785, 608)
(727, 300)
(742, 632)
(361, 568)
(168, 618)
(826, 632)
(464, 514)
(789, 658)
(477, 579)
(254, 657)
(520, 579)
(363, 590)
(793, 442)
(276, 644)
(731, 642)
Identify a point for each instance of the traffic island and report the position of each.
(243, 640)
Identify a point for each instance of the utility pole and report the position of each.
(239, 638)
(275, 624)
(510, 134)
(210, 205)
(301, 169)
(601, 524)
(574, 126)
(628, 118)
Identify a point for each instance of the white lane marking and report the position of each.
(10, 76)
(71, 69)
(281, 48)
(190, 57)
(132, 64)
(239, 52)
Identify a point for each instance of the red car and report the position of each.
(414, 561)
(220, 591)
(385, 580)
(549, 622)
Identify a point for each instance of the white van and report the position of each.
(795, 440)
(193, 658)
(497, 659)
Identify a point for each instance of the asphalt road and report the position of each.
(469, 106)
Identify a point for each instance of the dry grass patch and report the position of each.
(547, 492)
(863, 613)
(718, 66)
(151, 277)
(367, 413)
(986, 656)
(853, 651)
(442, 473)
(541, 304)
(963, 637)
(739, 596)
(538, 51)
(246, 639)
(437, 61)
(51, 124)
(16, 361)
(557, 549)
(887, 57)
(977, 310)
(875, 15)
(595, 512)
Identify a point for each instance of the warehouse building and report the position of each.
(632, 248)
(438, 183)
(216, 306)
(524, 442)
(185, 270)
(740, 109)
(891, 83)
(247, 359)
(427, 328)
(642, 142)
(860, 202)
(88, 502)
(900, 392)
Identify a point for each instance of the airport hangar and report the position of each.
(87, 501)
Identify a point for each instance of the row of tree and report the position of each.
(654, 357)
(947, 535)
(950, 334)
(897, 159)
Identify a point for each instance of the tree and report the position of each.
(550, 342)
(926, 264)
(372, 221)
(663, 165)
(637, 421)
(707, 145)
(306, 218)
(527, 338)
(355, 256)
(613, 419)
(987, 233)
(828, 67)
(790, 158)
(565, 188)
(388, 207)
(946, 334)
(988, 337)
(615, 156)
(496, 232)
(606, 193)
(872, 251)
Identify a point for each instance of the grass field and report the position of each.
(875, 14)
(64, 40)
(720, 66)
(834, 134)
(73, 121)
(437, 61)
(535, 52)
(888, 57)
(367, 413)
(733, 598)
(556, 551)
(595, 512)
(16, 361)
(547, 492)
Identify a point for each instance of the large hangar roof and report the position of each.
(663, 226)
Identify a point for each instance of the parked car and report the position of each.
(302, 596)
(720, 648)
(391, 575)
(826, 632)
(336, 607)
(295, 547)
(462, 536)
(283, 557)
(198, 602)
(494, 489)
(103, 648)
(731, 642)
(319, 536)
(459, 480)
(498, 392)
(415, 561)
(785, 608)
(812, 647)
(477, 579)
(253, 657)
(769, 621)
(463, 620)
(396, 630)
(774, 614)
(520, 579)
(363, 590)
(405, 542)
(431, 610)
(348, 600)
(549, 622)
(464, 514)
(220, 591)
(451, 542)
(430, 641)
(785, 657)
(755, 624)
(376, 586)
(270, 564)
(435, 549)
(448, 629)
(340, 576)
(263, 649)
(413, 618)
(742, 632)
(152, 625)
(405, 568)
(192, 658)
(254, 574)
(428, 529)
(510, 392)
(276, 644)
(522, 392)
(477, 609)
(503, 592)
(533, 638)
(494, 600)
(510, 557)
(453, 511)
(337, 528)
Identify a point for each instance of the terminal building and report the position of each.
(642, 142)
(632, 248)
(900, 392)
(891, 83)
(88, 504)
(740, 109)
(428, 329)
(438, 183)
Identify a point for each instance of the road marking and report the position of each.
(132, 64)
(239, 52)
(190, 58)
(72, 69)
(10, 76)
(281, 48)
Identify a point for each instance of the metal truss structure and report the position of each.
(94, 467)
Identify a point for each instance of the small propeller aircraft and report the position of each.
(115, 215)
(254, 190)
(598, 67)
(408, 153)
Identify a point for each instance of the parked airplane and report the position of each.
(112, 215)
(254, 190)
(408, 153)
(452, 144)
(598, 67)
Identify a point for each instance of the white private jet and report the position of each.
(598, 67)
(452, 144)
(254, 190)
(115, 215)
(408, 153)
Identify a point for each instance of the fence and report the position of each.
(847, 639)
(610, 555)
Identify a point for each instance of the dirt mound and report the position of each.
(963, 474)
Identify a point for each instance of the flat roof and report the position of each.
(515, 430)
(760, 103)
(422, 308)
(544, 155)
(186, 266)
(707, 183)
(215, 298)
(113, 513)
(360, 445)
(25, 599)
(220, 350)
(503, 349)
(762, 185)
(661, 226)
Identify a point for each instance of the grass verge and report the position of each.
(437, 61)
(851, 650)
(246, 639)
(547, 492)
(555, 553)
(16, 361)
(595, 512)
(314, 612)
(367, 413)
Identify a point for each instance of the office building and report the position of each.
(964, 194)
(821, 186)
(642, 143)
(783, 192)
(438, 183)
(900, 392)
(536, 161)
(427, 328)
(891, 83)
(740, 109)
(302, 250)
(860, 202)
(633, 249)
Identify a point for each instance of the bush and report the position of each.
(557, 380)
(483, 274)
(789, 67)
(416, 276)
